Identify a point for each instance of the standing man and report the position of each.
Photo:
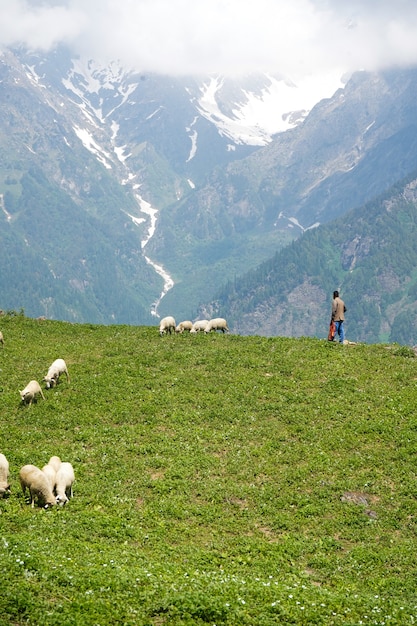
(338, 315)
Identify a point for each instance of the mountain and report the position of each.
(91, 156)
(125, 196)
(348, 150)
(369, 254)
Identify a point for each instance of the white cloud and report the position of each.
(39, 25)
(297, 38)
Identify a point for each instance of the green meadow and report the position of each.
(220, 479)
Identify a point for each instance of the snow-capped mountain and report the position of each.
(247, 111)
(133, 195)
(158, 137)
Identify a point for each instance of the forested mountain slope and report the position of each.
(350, 149)
(369, 254)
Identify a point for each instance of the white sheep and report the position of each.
(4, 475)
(199, 326)
(50, 474)
(167, 325)
(57, 368)
(30, 392)
(32, 478)
(64, 480)
(218, 323)
(50, 470)
(55, 462)
(1, 339)
(187, 325)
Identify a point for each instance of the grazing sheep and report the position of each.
(1, 339)
(55, 462)
(57, 368)
(4, 476)
(218, 323)
(64, 480)
(30, 392)
(199, 326)
(50, 470)
(167, 325)
(32, 478)
(50, 474)
(184, 326)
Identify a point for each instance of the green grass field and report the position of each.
(219, 479)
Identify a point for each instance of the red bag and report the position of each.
(332, 331)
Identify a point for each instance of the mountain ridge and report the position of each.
(174, 206)
(369, 255)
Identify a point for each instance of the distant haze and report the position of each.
(298, 39)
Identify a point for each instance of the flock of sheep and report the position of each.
(52, 484)
(33, 388)
(167, 325)
(49, 486)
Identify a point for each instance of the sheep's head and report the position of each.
(61, 500)
(25, 396)
(50, 382)
(4, 491)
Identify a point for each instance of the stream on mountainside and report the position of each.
(147, 209)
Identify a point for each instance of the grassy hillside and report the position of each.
(219, 479)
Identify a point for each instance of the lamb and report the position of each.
(32, 478)
(30, 392)
(64, 481)
(187, 325)
(50, 470)
(4, 476)
(57, 368)
(199, 326)
(167, 325)
(1, 339)
(218, 323)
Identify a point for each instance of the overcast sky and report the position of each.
(293, 37)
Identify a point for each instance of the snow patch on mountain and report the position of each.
(292, 222)
(88, 142)
(88, 77)
(239, 131)
(193, 136)
(262, 113)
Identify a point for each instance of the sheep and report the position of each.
(167, 325)
(218, 323)
(187, 325)
(4, 476)
(32, 478)
(64, 480)
(50, 470)
(57, 368)
(50, 474)
(1, 339)
(198, 326)
(55, 462)
(30, 392)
